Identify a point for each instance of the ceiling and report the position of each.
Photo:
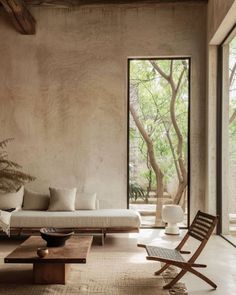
(25, 23)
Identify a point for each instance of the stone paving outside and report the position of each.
(147, 212)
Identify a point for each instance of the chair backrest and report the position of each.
(202, 226)
(201, 229)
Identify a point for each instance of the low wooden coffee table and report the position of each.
(54, 268)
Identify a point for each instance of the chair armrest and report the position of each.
(184, 252)
(141, 245)
(198, 265)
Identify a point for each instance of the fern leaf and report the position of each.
(11, 178)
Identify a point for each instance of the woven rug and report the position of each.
(114, 273)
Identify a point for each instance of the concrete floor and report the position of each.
(219, 255)
(231, 237)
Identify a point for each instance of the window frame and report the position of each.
(188, 122)
(219, 131)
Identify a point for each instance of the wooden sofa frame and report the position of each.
(18, 231)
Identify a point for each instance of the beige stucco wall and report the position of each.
(217, 10)
(221, 16)
(63, 92)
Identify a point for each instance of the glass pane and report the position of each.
(231, 119)
(158, 136)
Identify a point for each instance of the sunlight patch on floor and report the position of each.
(138, 258)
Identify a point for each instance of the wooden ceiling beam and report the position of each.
(22, 19)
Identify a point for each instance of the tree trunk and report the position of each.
(183, 180)
(158, 173)
(149, 187)
(182, 176)
(160, 194)
(180, 192)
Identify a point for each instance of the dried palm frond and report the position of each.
(11, 176)
(4, 142)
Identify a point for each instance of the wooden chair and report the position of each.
(200, 229)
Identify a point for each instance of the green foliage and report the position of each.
(11, 178)
(232, 102)
(135, 191)
(153, 109)
(150, 177)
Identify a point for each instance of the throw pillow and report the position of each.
(85, 201)
(12, 200)
(62, 199)
(35, 201)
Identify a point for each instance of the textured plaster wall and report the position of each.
(63, 92)
(221, 15)
(211, 130)
(221, 19)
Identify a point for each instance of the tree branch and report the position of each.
(231, 78)
(175, 90)
(232, 117)
(159, 70)
(232, 74)
(180, 79)
(167, 133)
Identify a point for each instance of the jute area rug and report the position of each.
(115, 273)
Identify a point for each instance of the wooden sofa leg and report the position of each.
(20, 232)
(103, 235)
(102, 240)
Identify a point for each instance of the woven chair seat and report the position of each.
(171, 254)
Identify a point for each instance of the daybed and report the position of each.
(110, 220)
(97, 222)
(39, 210)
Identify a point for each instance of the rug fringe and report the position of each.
(179, 288)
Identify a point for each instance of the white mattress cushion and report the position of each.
(85, 201)
(83, 218)
(12, 200)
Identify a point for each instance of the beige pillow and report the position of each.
(85, 201)
(35, 201)
(11, 200)
(62, 199)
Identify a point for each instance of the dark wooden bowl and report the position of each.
(42, 252)
(55, 237)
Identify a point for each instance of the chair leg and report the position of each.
(176, 279)
(204, 278)
(156, 273)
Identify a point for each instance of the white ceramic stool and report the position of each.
(172, 214)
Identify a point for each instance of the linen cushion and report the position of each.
(62, 199)
(35, 201)
(85, 201)
(12, 200)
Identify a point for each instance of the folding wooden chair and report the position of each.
(200, 229)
